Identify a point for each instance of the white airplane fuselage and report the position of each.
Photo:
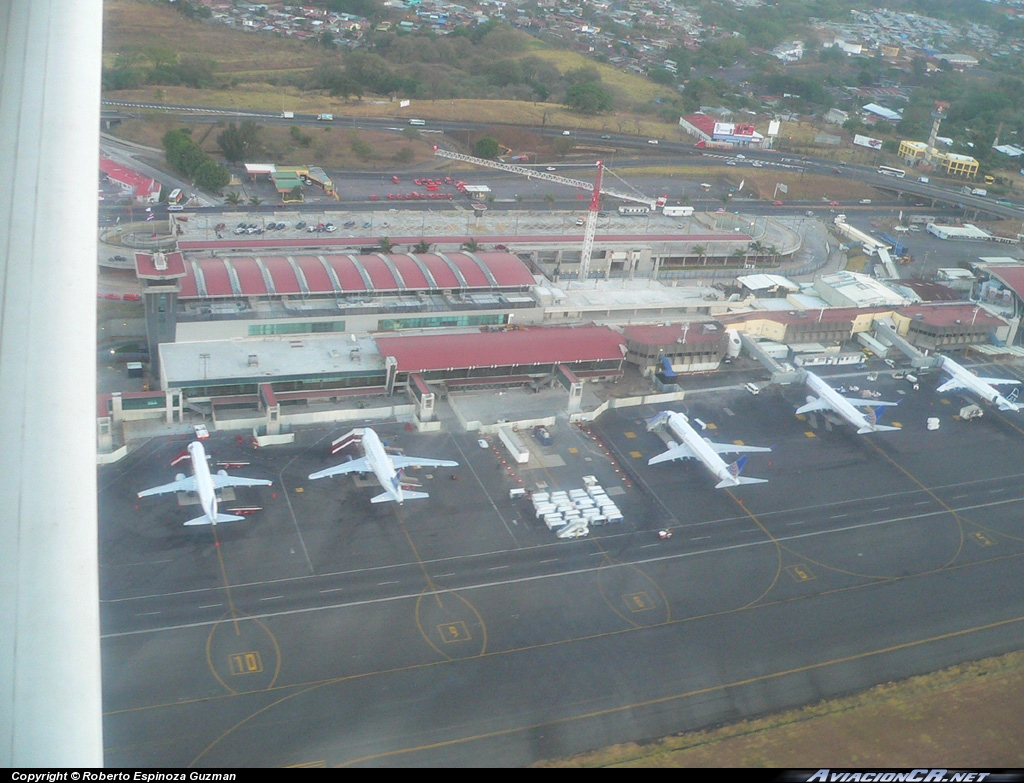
(383, 468)
(680, 427)
(837, 402)
(204, 482)
(965, 379)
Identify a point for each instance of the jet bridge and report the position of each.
(887, 334)
(779, 373)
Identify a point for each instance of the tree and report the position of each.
(239, 142)
(549, 200)
(423, 246)
(234, 199)
(487, 147)
(255, 201)
(210, 175)
(701, 252)
(471, 245)
(589, 98)
(385, 245)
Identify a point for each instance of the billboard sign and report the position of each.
(403, 104)
(773, 127)
(867, 141)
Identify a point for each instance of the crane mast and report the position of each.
(590, 228)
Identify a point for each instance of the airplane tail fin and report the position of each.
(657, 420)
(734, 472)
(205, 520)
(873, 417)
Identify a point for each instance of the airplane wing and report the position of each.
(864, 403)
(422, 462)
(676, 452)
(187, 484)
(352, 466)
(815, 405)
(951, 385)
(730, 448)
(997, 381)
(220, 481)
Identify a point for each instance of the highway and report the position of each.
(667, 152)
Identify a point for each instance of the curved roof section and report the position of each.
(524, 347)
(335, 274)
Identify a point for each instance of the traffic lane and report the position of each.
(631, 683)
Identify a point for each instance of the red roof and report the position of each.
(145, 268)
(949, 314)
(1011, 276)
(250, 277)
(702, 122)
(118, 173)
(306, 274)
(282, 276)
(537, 345)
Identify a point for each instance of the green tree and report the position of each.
(239, 142)
(255, 201)
(234, 199)
(210, 175)
(589, 98)
(423, 246)
(549, 200)
(385, 245)
(487, 147)
(471, 245)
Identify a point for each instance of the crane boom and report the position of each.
(544, 175)
(597, 190)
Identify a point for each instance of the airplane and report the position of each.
(205, 485)
(692, 446)
(386, 467)
(962, 379)
(829, 399)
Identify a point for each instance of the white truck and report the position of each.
(287, 115)
(325, 118)
(979, 192)
(669, 211)
(971, 411)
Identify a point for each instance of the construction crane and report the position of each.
(596, 190)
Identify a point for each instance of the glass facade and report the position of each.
(295, 327)
(427, 322)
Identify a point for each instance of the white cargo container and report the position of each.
(668, 211)
(514, 444)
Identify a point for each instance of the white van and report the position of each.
(417, 122)
(753, 388)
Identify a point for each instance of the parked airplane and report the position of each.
(962, 379)
(691, 445)
(205, 485)
(386, 467)
(830, 400)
